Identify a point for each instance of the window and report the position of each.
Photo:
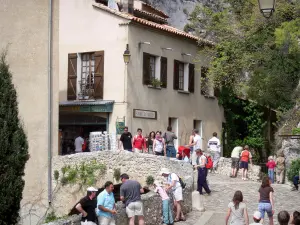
(155, 68)
(184, 76)
(85, 75)
(204, 81)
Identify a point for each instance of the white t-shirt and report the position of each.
(198, 142)
(172, 177)
(236, 152)
(214, 144)
(78, 144)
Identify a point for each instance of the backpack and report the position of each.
(183, 185)
(209, 162)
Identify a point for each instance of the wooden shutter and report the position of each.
(204, 87)
(146, 69)
(191, 78)
(176, 75)
(72, 76)
(164, 71)
(99, 74)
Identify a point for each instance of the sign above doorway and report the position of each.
(145, 114)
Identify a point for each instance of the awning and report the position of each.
(81, 120)
(86, 106)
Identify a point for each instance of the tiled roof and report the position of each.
(151, 14)
(87, 102)
(145, 22)
(161, 12)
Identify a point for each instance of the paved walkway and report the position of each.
(223, 189)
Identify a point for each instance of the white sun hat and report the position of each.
(164, 171)
(92, 189)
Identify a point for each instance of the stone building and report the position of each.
(67, 61)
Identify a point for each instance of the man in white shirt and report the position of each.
(78, 144)
(197, 144)
(235, 158)
(214, 147)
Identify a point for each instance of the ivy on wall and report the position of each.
(245, 123)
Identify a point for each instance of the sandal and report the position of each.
(182, 219)
(176, 220)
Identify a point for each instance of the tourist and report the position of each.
(191, 141)
(197, 144)
(86, 206)
(296, 181)
(202, 172)
(256, 218)
(237, 209)
(295, 218)
(183, 153)
(174, 186)
(235, 158)
(283, 218)
(245, 157)
(214, 147)
(79, 142)
(106, 207)
(159, 145)
(126, 139)
(266, 202)
(166, 206)
(271, 166)
(139, 142)
(169, 137)
(280, 167)
(150, 142)
(130, 193)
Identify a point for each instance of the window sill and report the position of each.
(183, 92)
(153, 87)
(209, 96)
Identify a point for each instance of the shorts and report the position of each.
(102, 220)
(159, 153)
(178, 194)
(136, 150)
(135, 209)
(244, 165)
(87, 223)
(129, 150)
(235, 162)
(265, 207)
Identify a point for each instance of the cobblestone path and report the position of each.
(223, 189)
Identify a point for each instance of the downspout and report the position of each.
(50, 103)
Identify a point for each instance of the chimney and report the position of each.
(128, 6)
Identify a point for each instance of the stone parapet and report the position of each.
(224, 167)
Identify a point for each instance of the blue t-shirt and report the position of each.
(107, 201)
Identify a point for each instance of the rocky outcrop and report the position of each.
(224, 167)
(291, 150)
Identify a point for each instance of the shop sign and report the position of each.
(145, 114)
(87, 108)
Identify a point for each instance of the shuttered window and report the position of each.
(191, 78)
(149, 64)
(204, 81)
(72, 77)
(176, 75)
(163, 72)
(99, 75)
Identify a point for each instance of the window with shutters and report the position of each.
(181, 76)
(85, 75)
(184, 76)
(204, 81)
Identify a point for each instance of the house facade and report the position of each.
(160, 86)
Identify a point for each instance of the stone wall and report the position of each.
(137, 165)
(224, 167)
(152, 208)
(291, 150)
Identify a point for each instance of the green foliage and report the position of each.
(150, 180)
(117, 174)
(156, 82)
(294, 169)
(51, 217)
(13, 149)
(85, 174)
(56, 175)
(296, 131)
(258, 58)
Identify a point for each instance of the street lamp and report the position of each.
(266, 7)
(126, 55)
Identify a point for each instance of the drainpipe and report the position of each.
(50, 103)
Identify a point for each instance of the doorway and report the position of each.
(173, 122)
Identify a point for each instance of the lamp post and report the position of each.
(266, 7)
(126, 55)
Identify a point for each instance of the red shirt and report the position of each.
(271, 164)
(139, 142)
(185, 150)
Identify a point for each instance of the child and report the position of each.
(167, 212)
(271, 166)
(256, 218)
(283, 218)
(238, 210)
(295, 218)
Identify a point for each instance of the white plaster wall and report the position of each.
(85, 28)
(24, 32)
(168, 102)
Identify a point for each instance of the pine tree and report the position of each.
(13, 149)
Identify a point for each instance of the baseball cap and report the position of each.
(92, 189)
(257, 215)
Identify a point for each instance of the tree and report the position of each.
(13, 149)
